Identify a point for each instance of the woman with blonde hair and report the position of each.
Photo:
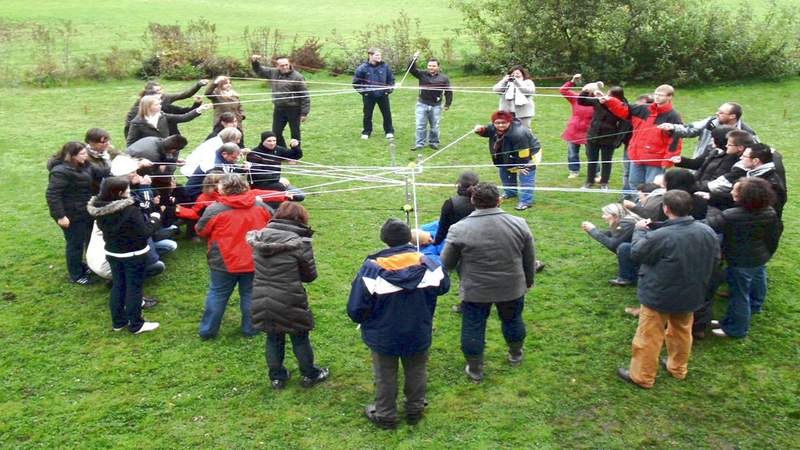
(617, 239)
(151, 121)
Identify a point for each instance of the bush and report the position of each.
(683, 41)
(217, 65)
(307, 56)
(173, 54)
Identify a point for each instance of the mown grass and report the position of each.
(71, 382)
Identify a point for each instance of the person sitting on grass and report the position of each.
(284, 260)
(230, 259)
(617, 239)
(393, 298)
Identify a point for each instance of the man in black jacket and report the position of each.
(729, 144)
(677, 260)
(433, 85)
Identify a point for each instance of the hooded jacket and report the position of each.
(648, 142)
(225, 224)
(581, 119)
(125, 229)
(393, 297)
(284, 260)
(749, 238)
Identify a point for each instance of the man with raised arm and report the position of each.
(289, 96)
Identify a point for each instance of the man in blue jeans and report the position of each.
(433, 85)
(472, 247)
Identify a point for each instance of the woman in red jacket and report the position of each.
(230, 259)
(577, 127)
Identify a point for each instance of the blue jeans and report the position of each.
(748, 289)
(626, 185)
(126, 291)
(574, 157)
(473, 324)
(628, 270)
(427, 114)
(219, 291)
(509, 181)
(301, 346)
(640, 173)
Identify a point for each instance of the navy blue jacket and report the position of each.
(514, 148)
(393, 297)
(368, 77)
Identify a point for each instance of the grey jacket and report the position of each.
(288, 90)
(494, 255)
(702, 128)
(522, 89)
(676, 260)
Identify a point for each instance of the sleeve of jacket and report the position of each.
(265, 72)
(180, 118)
(645, 249)
(605, 238)
(205, 226)
(412, 69)
(359, 79)
(618, 108)
(529, 259)
(451, 254)
(448, 93)
(501, 86)
(389, 80)
(527, 87)
(566, 91)
(691, 130)
(134, 134)
(55, 194)
(306, 262)
(169, 98)
(305, 102)
(176, 109)
(360, 302)
(131, 114)
(693, 163)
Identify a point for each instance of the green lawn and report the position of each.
(71, 382)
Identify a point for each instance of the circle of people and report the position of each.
(668, 232)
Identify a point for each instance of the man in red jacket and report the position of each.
(650, 147)
(230, 258)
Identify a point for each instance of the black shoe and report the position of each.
(434, 146)
(625, 375)
(474, 369)
(369, 413)
(413, 419)
(587, 185)
(84, 280)
(698, 334)
(620, 282)
(538, 266)
(148, 302)
(323, 375)
(280, 384)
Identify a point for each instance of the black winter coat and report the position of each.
(284, 260)
(709, 166)
(139, 127)
(454, 209)
(125, 228)
(266, 169)
(69, 189)
(749, 238)
(167, 107)
(605, 128)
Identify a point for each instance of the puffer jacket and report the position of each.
(581, 119)
(125, 229)
(749, 238)
(288, 90)
(648, 141)
(225, 225)
(676, 263)
(69, 189)
(284, 260)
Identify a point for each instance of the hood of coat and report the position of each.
(98, 208)
(244, 200)
(278, 237)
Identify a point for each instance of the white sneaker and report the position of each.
(573, 174)
(117, 329)
(147, 326)
(365, 136)
(389, 136)
(718, 332)
(714, 324)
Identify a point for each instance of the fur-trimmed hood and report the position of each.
(97, 207)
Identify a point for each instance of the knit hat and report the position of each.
(395, 232)
(124, 165)
(502, 115)
(266, 134)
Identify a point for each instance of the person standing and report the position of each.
(603, 137)
(578, 125)
(374, 80)
(393, 298)
(433, 86)
(494, 255)
(290, 98)
(729, 114)
(676, 261)
(516, 91)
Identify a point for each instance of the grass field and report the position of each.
(71, 382)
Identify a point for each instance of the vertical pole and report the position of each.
(406, 208)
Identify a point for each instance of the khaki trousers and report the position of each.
(650, 336)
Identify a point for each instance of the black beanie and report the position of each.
(266, 135)
(395, 232)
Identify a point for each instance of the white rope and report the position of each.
(446, 147)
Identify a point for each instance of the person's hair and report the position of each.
(96, 135)
(112, 188)
(647, 187)
(227, 117)
(149, 88)
(680, 179)
(69, 151)
(232, 184)
(229, 148)
(666, 89)
(761, 151)
(647, 98)
(720, 136)
(372, 50)
(175, 142)
(521, 68)
(283, 57)
(679, 202)
(741, 138)
(755, 193)
(617, 92)
(146, 102)
(292, 211)
(465, 181)
(736, 109)
(432, 59)
(484, 195)
(619, 211)
(230, 135)
(211, 180)
(220, 79)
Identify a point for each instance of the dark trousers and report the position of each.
(593, 152)
(77, 236)
(126, 291)
(386, 112)
(282, 115)
(703, 316)
(628, 269)
(473, 324)
(276, 351)
(415, 369)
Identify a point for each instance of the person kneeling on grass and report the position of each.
(393, 297)
(284, 260)
(230, 260)
(617, 239)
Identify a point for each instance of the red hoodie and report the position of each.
(648, 142)
(225, 223)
